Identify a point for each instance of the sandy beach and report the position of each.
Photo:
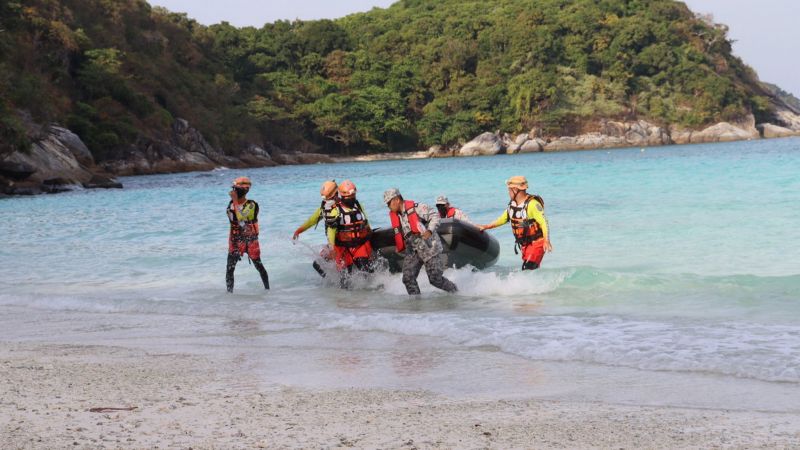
(189, 401)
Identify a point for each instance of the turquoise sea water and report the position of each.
(669, 259)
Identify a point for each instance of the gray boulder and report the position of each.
(639, 133)
(585, 142)
(789, 119)
(770, 131)
(723, 132)
(191, 140)
(532, 146)
(485, 144)
(52, 160)
(75, 145)
(256, 156)
(52, 164)
(16, 170)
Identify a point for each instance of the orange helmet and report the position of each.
(328, 189)
(347, 188)
(242, 182)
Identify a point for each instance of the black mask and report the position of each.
(240, 191)
(442, 211)
(349, 202)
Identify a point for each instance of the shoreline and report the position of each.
(250, 384)
(397, 156)
(188, 400)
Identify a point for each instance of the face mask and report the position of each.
(349, 202)
(241, 192)
(442, 210)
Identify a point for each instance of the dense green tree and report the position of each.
(420, 72)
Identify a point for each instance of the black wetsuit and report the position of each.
(244, 240)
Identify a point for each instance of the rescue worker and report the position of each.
(415, 234)
(243, 238)
(330, 197)
(349, 233)
(526, 214)
(446, 211)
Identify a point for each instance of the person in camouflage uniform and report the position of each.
(415, 226)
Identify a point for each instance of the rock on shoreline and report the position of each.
(614, 134)
(59, 161)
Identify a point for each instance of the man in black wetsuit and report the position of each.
(243, 238)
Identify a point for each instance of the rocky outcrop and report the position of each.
(769, 131)
(296, 158)
(636, 134)
(721, 132)
(256, 156)
(57, 161)
(585, 142)
(486, 144)
(185, 150)
(789, 119)
(533, 145)
(74, 144)
(612, 134)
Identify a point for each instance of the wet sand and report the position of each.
(197, 401)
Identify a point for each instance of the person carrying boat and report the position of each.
(447, 211)
(415, 234)
(243, 237)
(349, 233)
(330, 198)
(528, 222)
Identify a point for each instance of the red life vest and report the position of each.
(352, 228)
(413, 220)
(451, 212)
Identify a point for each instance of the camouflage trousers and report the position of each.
(434, 267)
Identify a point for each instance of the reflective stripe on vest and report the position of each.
(526, 229)
(352, 228)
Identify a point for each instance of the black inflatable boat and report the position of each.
(464, 244)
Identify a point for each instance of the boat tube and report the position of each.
(464, 244)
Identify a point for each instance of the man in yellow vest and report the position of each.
(526, 214)
(330, 198)
(243, 237)
(325, 213)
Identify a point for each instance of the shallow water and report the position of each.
(681, 259)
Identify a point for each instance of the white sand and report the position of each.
(195, 401)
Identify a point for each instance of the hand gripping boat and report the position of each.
(464, 244)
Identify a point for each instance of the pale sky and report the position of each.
(767, 32)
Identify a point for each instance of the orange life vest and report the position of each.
(526, 229)
(413, 220)
(352, 227)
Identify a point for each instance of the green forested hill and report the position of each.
(418, 73)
